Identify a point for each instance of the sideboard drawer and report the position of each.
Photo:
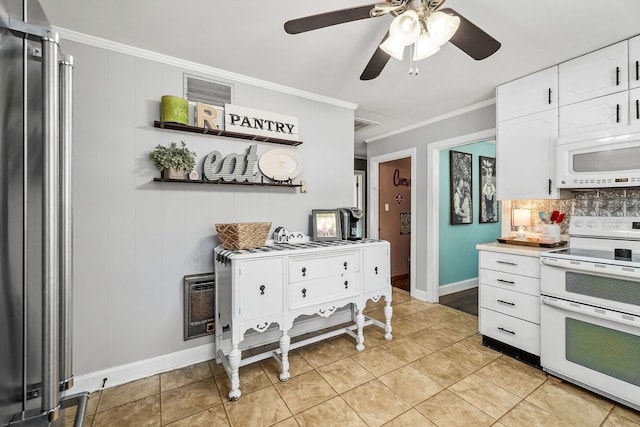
(312, 292)
(516, 304)
(311, 268)
(509, 263)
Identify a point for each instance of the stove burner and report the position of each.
(623, 254)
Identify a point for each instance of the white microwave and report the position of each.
(598, 161)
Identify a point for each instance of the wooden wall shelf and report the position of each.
(202, 181)
(224, 133)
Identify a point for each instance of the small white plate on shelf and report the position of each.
(280, 164)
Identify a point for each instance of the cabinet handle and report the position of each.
(262, 288)
(304, 271)
(549, 96)
(549, 185)
(506, 302)
(506, 330)
(304, 292)
(376, 269)
(346, 284)
(617, 76)
(637, 109)
(508, 282)
(637, 70)
(617, 113)
(507, 263)
(345, 265)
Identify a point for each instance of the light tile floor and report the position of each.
(434, 372)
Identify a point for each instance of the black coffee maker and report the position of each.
(350, 223)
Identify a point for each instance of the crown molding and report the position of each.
(194, 66)
(432, 120)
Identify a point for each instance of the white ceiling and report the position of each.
(247, 37)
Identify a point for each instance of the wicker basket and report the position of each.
(243, 235)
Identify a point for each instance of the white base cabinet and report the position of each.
(260, 290)
(509, 299)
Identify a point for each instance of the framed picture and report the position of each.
(461, 185)
(488, 202)
(326, 224)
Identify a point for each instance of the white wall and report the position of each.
(419, 138)
(134, 239)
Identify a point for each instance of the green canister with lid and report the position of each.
(175, 109)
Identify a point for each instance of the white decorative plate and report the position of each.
(280, 164)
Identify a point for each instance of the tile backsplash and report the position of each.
(604, 202)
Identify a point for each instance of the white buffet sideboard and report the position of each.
(258, 289)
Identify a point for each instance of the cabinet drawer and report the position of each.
(513, 282)
(510, 330)
(312, 292)
(509, 263)
(311, 268)
(516, 304)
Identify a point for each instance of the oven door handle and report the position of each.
(587, 310)
(605, 270)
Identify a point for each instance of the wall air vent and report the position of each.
(360, 123)
(197, 89)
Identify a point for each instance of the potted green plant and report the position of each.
(173, 161)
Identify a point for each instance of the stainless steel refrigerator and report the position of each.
(35, 220)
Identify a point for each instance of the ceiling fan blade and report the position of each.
(327, 19)
(471, 39)
(377, 63)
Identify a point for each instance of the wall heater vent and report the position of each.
(197, 89)
(199, 305)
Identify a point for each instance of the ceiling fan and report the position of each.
(420, 24)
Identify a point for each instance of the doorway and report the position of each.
(392, 201)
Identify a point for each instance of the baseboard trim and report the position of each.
(128, 372)
(463, 285)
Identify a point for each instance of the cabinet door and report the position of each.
(595, 74)
(376, 268)
(530, 94)
(634, 62)
(634, 106)
(525, 151)
(606, 112)
(258, 289)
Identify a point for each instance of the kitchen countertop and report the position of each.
(513, 249)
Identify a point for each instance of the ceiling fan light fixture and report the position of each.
(392, 48)
(405, 28)
(424, 47)
(442, 26)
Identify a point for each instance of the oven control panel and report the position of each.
(606, 227)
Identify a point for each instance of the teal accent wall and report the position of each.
(458, 255)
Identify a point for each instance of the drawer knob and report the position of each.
(345, 265)
(346, 284)
(304, 292)
(376, 270)
(304, 271)
(262, 288)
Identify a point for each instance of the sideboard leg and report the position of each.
(360, 325)
(284, 355)
(388, 312)
(234, 362)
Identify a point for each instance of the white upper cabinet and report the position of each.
(634, 62)
(595, 74)
(530, 94)
(605, 112)
(525, 151)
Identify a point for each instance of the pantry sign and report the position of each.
(262, 123)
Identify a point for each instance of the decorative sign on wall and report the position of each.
(233, 167)
(206, 115)
(399, 181)
(263, 123)
(399, 198)
(405, 223)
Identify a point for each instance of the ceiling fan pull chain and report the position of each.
(411, 59)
